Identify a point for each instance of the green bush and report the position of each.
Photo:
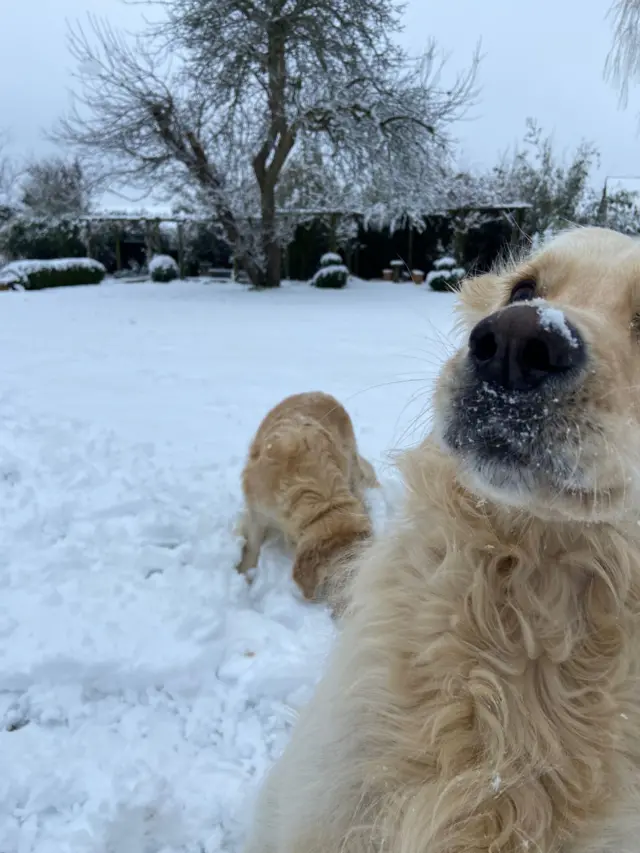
(63, 272)
(330, 259)
(334, 276)
(445, 276)
(42, 239)
(163, 268)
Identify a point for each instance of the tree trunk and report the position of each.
(269, 160)
(274, 264)
(270, 244)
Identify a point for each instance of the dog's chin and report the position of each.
(551, 494)
(510, 486)
(509, 482)
(540, 476)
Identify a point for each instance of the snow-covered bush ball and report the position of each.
(163, 268)
(334, 276)
(446, 275)
(330, 259)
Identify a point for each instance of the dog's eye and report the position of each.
(523, 291)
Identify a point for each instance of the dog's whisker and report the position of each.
(418, 422)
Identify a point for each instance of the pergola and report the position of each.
(148, 223)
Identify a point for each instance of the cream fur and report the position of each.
(484, 695)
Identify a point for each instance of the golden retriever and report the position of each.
(484, 693)
(304, 478)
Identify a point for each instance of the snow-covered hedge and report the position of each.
(330, 259)
(163, 268)
(334, 276)
(446, 275)
(61, 272)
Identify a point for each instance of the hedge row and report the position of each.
(63, 272)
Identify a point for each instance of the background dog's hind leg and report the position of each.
(253, 527)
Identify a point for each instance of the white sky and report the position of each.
(542, 58)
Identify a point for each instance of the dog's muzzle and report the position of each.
(512, 386)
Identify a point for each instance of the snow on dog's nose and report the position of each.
(520, 347)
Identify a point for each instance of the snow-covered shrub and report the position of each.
(163, 268)
(334, 276)
(446, 275)
(541, 237)
(332, 273)
(10, 280)
(61, 272)
(446, 263)
(41, 239)
(330, 259)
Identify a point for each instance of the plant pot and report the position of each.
(396, 267)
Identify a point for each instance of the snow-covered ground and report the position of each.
(144, 688)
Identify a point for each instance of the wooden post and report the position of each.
(287, 261)
(512, 218)
(147, 241)
(181, 248)
(520, 212)
(333, 242)
(410, 246)
(87, 233)
(118, 253)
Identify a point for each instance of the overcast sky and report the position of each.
(542, 58)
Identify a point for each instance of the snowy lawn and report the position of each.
(144, 689)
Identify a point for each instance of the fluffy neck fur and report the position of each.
(506, 675)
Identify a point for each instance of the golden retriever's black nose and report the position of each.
(521, 346)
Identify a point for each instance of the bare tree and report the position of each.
(8, 172)
(55, 187)
(220, 98)
(623, 61)
(559, 188)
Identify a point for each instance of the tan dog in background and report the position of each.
(484, 695)
(304, 478)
